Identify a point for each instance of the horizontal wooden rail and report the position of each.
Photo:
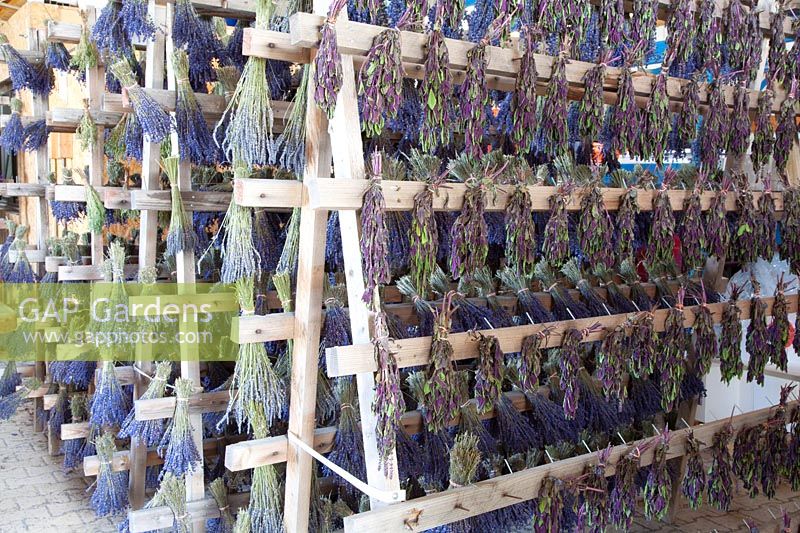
(355, 38)
(349, 360)
(262, 328)
(126, 375)
(332, 194)
(253, 192)
(485, 496)
(205, 402)
(89, 272)
(23, 189)
(210, 201)
(113, 197)
(68, 33)
(156, 518)
(75, 430)
(66, 120)
(33, 255)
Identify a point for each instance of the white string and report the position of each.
(388, 496)
(151, 378)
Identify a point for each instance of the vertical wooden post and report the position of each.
(95, 86)
(148, 228)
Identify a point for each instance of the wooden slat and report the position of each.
(252, 192)
(34, 256)
(355, 38)
(156, 518)
(88, 272)
(206, 402)
(326, 193)
(348, 360)
(253, 453)
(192, 200)
(65, 120)
(68, 33)
(485, 496)
(24, 189)
(126, 375)
(273, 45)
(213, 105)
(76, 430)
(262, 328)
(113, 197)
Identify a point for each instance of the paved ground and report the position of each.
(36, 495)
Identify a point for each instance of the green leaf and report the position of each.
(431, 100)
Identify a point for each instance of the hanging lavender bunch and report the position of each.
(181, 236)
(757, 340)
(746, 246)
(643, 344)
(35, 77)
(626, 225)
(12, 137)
(565, 307)
(436, 89)
(658, 122)
(778, 330)
(109, 405)
(626, 114)
(529, 362)
(424, 235)
(520, 227)
(765, 227)
(57, 57)
(549, 506)
(375, 236)
(233, 48)
(764, 137)
(790, 227)
(133, 138)
(662, 241)
(380, 79)
(554, 129)
(388, 404)
(441, 392)
(35, 135)
(720, 479)
(195, 142)
(592, 105)
(523, 103)
(10, 379)
(713, 138)
(642, 30)
(155, 122)
(109, 33)
(569, 367)
(785, 132)
(681, 29)
(622, 500)
(555, 246)
(694, 480)
(348, 447)
(736, 35)
(255, 380)
(148, 432)
(469, 231)
(328, 62)
(739, 123)
(693, 241)
(671, 363)
(658, 489)
(686, 125)
(611, 360)
(177, 445)
(716, 224)
(594, 228)
(110, 495)
(592, 513)
(136, 20)
(706, 348)
(198, 37)
(730, 343)
(594, 303)
(224, 523)
(489, 374)
(612, 23)
(709, 37)
(239, 255)
(529, 305)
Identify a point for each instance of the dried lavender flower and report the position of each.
(555, 130)
(694, 480)
(555, 246)
(594, 227)
(374, 235)
(489, 374)
(671, 363)
(524, 100)
(155, 122)
(720, 473)
(328, 62)
(786, 132)
(757, 340)
(441, 392)
(764, 136)
(658, 488)
(388, 404)
(436, 89)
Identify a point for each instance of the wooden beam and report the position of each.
(206, 402)
(113, 197)
(76, 430)
(66, 120)
(252, 192)
(262, 328)
(209, 201)
(87, 272)
(348, 360)
(24, 189)
(254, 453)
(33, 255)
(485, 496)
(155, 518)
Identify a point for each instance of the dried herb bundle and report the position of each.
(436, 89)
(658, 488)
(681, 29)
(529, 362)
(523, 103)
(779, 328)
(564, 306)
(177, 446)
(195, 142)
(611, 360)
(348, 445)
(12, 137)
(785, 132)
(388, 404)
(693, 240)
(465, 457)
(778, 55)
(694, 480)
(592, 106)
(530, 307)
(155, 122)
(671, 363)
(374, 234)
(739, 132)
(328, 62)
(626, 114)
(765, 229)
(764, 136)
(718, 231)
(181, 236)
(658, 122)
(148, 432)
(37, 78)
(441, 390)
(643, 344)
(85, 54)
(715, 133)
(746, 457)
(594, 227)
(555, 131)
(622, 500)
(489, 374)
(111, 493)
(730, 343)
(662, 232)
(687, 117)
(744, 238)
(136, 20)
(520, 227)
(380, 79)
(86, 132)
(626, 225)
(469, 232)
(569, 367)
(706, 348)
(595, 304)
(592, 513)
(555, 246)
(266, 502)
(612, 22)
(720, 473)
(424, 234)
(549, 506)
(790, 227)
(758, 338)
